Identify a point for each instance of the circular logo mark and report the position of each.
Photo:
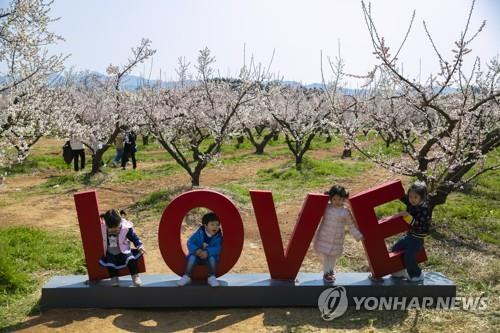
(332, 303)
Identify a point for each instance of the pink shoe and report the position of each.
(329, 277)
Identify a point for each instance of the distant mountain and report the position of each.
(132, 82)
(129, 82)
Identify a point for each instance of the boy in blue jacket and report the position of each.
(204, 247)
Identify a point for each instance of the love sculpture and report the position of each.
(284, 286)
(283, 265)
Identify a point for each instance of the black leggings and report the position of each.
(79, 153)
(132, 267)
(129, 153)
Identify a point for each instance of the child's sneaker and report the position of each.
(417, 278)
(184, 280)
(136, 280)
(212, 281)
(329, 277)
(400, 274)
(115, 281)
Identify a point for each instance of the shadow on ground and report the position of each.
(207, 320)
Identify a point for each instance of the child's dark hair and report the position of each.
(209, 217)
(419, 188)
(112, 218)
(337, 190)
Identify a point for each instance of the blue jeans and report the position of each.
(410, 245)
(193, 260)
(119, 155)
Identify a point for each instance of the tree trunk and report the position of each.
(346, 153)
(145, 140)
(97, 162)
(491, 142)
(196, 174)
(298, 162)
(195, 178)
(21, 153)
(259, 148)
(239, 141)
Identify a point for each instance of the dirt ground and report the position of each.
(56, 211)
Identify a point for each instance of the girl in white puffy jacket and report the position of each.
(329, 240)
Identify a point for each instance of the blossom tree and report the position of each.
(33, 118)
(98, 110)
(27, 71)
(191, 122)
(348, 115)
(453, 118)
(301, 115)
(258, 125)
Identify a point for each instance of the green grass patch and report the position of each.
(158, 200)
(250, 156)
(390, 208)
(378, 148)
(371, 135)
(320, 142)
(36, 163)
(74, 181)
(152, 146)
(469, 217)
(288, 183)
(232, 146)
(78, 180)
(237, 192)
(28, 256)
(488, 184)
(475, 215)
(131, 175)
(313, 170)
(152, 152)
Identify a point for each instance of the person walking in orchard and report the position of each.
(119, 144)
(129, 149)
(78, 153)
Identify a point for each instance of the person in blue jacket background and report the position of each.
(204, 248)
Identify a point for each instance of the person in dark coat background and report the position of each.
(129, 149)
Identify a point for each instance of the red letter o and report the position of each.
(169, 233)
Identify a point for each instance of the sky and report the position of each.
(98, 33)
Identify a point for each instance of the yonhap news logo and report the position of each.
(333, 303)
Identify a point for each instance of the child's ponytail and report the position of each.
(112, 218)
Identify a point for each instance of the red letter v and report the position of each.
(286, 265)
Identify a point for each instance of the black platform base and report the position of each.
(236, 290)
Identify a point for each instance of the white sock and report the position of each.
(328, 263)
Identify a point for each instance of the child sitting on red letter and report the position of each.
(117, 233)
(204, 249)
